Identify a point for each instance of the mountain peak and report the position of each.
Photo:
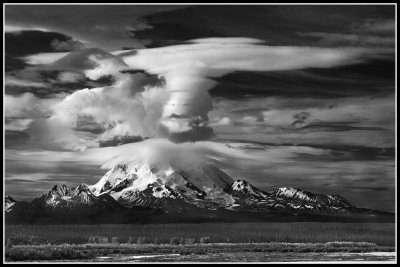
(288, 191)
(8, 203)
(240, 184)
(335, 201)
(83, 187)
(176, 191)
(60, 190)
(8, 198)
(241, 189)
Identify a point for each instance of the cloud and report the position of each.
(360, 121)
(313, 169)
(101, 25)
(378, 26)
(128, 107)
(187, 68)
(93, 63)
(23, 106)
(215, 59)
(181, 102)
(183, 130)
(368, 33)
(104, 67)
(225, 121)
(227, 40)
(162, 151)
(14, 81)
(300, 118)
(17, 124)
(68, 45)
(16, 29)
(70, 77)
(22, 112)
(352, 39)
(44, 58)
(173, 91)
(139, 25)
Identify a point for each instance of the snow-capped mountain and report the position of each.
(63, 204)
(154, 185)
(8, 203)
(149, 185)
(126, 192)
(321, 200)
(65, 197)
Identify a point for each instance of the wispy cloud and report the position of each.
(16, 29)
(351, 39)
(368, 33)
(378, 26)
(44, 58)
(352, 120)
(14, 81)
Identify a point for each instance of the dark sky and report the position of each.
(323, 129)
(103, 26)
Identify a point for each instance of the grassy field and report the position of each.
(121, 252)
(382, 234)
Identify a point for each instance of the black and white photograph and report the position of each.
(199, 133)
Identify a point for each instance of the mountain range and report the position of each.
(150, 193)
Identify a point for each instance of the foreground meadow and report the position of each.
(302, 232)
(113, 252)
(195, 242)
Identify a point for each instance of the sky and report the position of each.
(302, 96)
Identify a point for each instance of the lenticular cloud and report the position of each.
(187, 70)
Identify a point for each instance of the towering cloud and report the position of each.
(125, 108)
(187, 70)
(176, 104)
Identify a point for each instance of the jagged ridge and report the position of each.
(164, 185)
(168, 189)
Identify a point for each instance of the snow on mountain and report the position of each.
(64, 196)
(8, 203)
(245, 187)
(144, 183)
(144, 191)
(153, 185)
(247, 196)
(291, 192)
(177, 187)
(321, 199)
